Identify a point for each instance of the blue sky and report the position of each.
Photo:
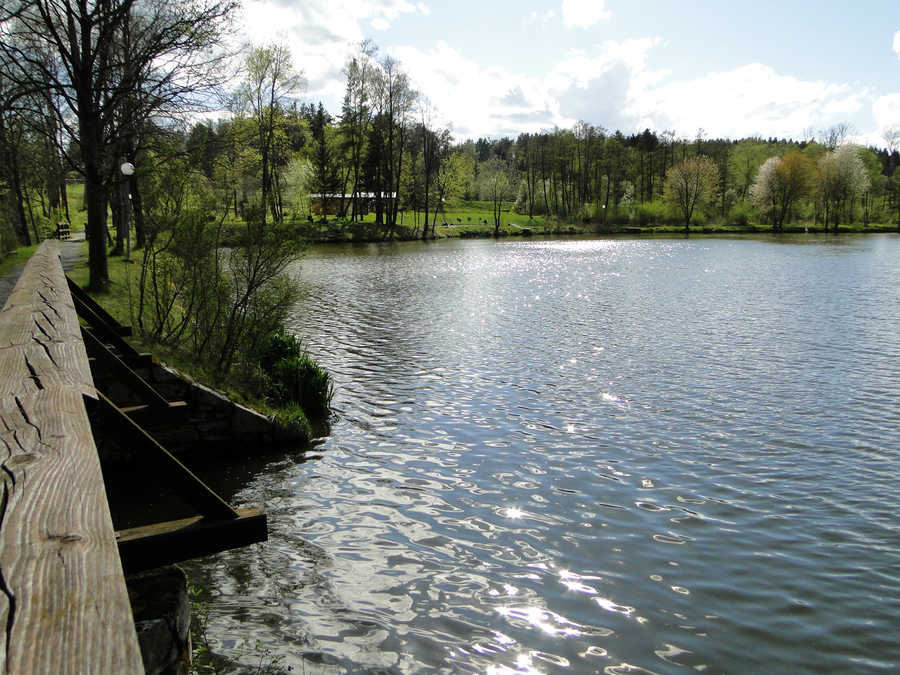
(495, 68)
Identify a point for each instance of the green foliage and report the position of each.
(277, 346)
(652, 213)
(202, 659)
(293, 418)
(15, 258)
(205, 661)
(221, 306)
(294, 377)
(301, 379)
(690, 185)
(740, 214)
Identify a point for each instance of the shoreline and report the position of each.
(348, 237)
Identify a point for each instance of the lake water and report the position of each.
(586, 456)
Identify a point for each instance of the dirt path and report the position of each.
(70, 254)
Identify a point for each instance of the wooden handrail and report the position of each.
(63, 603)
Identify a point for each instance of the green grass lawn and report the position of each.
(75, 196)
(16, 258)
(463, 219)
(116, 297)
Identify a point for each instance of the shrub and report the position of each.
(292, 418)
(294, 377)
(278, 345)
(740, 214)
(302, 380)
(651, 213)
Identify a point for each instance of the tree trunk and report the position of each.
(137, 211)
(95, 230)
(20, 224)
(65, 200)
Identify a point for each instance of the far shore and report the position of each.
(335, 232)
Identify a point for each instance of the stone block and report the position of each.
(162, 616)
(247, 421)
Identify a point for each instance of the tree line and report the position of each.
(87, 86)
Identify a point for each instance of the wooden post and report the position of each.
(63, 601)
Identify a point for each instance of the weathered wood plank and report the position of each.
(149, 546)
(188, 487)
(63, 603)
(123, 371)
(39, 315)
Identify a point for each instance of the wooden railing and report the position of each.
(63, 600)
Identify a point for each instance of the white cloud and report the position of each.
(886, 111)
(539, 17)
(610, 84)
(321, 34)
(583, 13)
(897, 43)
(477, 100)
(491, 101)
(751, 99)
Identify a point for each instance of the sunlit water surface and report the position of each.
(585, 455)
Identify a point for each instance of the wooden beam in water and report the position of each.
(149, 546)
(176, 413)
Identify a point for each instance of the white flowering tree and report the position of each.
(762, 189)
(779, 183)
(842, 177)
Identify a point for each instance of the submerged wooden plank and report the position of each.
(63, 603)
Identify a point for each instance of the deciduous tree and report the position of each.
(690, 184)
(842, 177)
(270, 83)
(496, 187)
(87, 59)
(779, 183)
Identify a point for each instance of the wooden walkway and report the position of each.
(63, 601)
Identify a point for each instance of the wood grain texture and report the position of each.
(40, 315)
(63, 603)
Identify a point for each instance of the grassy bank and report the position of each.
(476, 219)
(349, 232)
(289, 368)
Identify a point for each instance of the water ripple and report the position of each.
(590, 456)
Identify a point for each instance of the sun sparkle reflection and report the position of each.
(514, 512)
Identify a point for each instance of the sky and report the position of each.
(492, 68)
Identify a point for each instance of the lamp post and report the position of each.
(127, 171)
